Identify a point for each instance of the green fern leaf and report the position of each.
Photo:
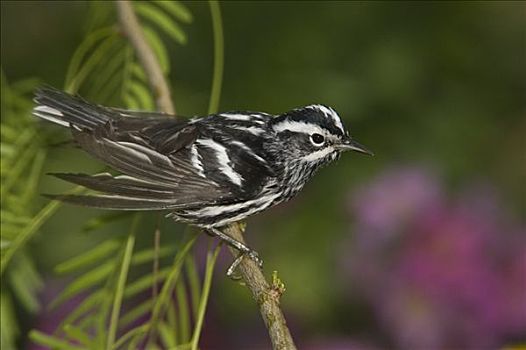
(142, 95)
(107, 74)
(52, 342)
(76, 334)
(84, 282)
(87, 305)
(91, 41)
(133, 335)
(193, 282)
(97, 57)
(121, 282)
(145, 282)
(158, 48)
(134, 314)
(148, 255)
(24, 282)
(131, 102)
(167, 336)
(177, 10)
(9, 327)
(103, 250)
(138, 72)
(158, 18)
(183, 313)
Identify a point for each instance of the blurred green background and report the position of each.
(435, 89)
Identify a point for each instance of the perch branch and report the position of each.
(266, 296)
(132, 29)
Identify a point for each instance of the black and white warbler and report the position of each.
(208, 171)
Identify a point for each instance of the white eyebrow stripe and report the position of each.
(300, 127)
(223, 160)
(322, 153)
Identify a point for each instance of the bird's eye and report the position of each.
(317, 139)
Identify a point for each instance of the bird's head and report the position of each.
(313, 134)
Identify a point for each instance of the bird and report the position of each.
(207, 171)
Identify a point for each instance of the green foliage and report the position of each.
(114, 281)
(217, 80)
(210, 261)
(103, 318)
(23, 155)
(21, 166)
(104, 67)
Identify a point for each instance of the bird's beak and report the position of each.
(349, 144)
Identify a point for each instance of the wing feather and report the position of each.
(154, 180)
(120, 185)
(151, 151)
(125, 159)
(112, 202)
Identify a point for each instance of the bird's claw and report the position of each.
(255, 256)
(252, 254)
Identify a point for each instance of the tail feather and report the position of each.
(67, 110)
(120, 185)
(111, 202)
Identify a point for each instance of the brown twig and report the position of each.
(267, 296)
(132, 29)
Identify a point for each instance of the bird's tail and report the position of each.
(70, 111)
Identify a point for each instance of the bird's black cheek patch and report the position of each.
(286, 135)
(296, 144)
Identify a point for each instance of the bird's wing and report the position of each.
(166, 163)
(233, 150)
(156, 162)
(73, 111)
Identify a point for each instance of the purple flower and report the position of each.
(396, 196)
(437, 272)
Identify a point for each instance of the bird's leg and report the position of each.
(232, 268)
(242, 248)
